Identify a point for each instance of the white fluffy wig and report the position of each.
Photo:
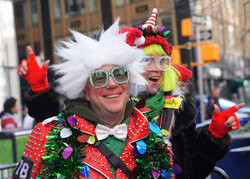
(85, 55)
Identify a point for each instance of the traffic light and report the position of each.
(176, 56)
(210, 52)
(187, 27)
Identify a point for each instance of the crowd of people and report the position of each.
(128, 111)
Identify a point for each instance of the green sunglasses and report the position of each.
(99, 78)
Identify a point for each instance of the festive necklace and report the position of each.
(64, 148)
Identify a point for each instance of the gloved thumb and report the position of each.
(45, 65)
(216, 110)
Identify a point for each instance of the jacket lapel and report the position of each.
(94, 158)
(137, 129)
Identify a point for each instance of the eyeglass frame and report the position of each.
(109, 74)
(165, 69)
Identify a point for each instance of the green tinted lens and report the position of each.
(99, 78)
(120, 75)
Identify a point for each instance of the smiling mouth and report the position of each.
(112, 96)
(154, 79)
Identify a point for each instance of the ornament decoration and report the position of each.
(83, 138)
(141, 147)
(67, 152)
(65, 133)
(71, 120)
(166, 175)
(155, 34)
(153, 127)
(164, 132)
(85, 171)
(91, 140)
(156, 173)
(64, 152)
(151, 20)
(145, 110)
(153, 155)
(161, 29)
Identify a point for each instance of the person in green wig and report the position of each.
(166, 101)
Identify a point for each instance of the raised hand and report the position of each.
(33, 73)
(223, 122)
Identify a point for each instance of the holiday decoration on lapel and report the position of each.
(153, 127)
(65, 133)
(83, 138)
(67, 152)
(72, 121)
(85, 171)
(64, 150)
(141, 147)
(153, 154)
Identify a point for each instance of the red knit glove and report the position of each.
(35, 75)
(221, 120)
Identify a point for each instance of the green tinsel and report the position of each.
(54, 165)
(156, 157)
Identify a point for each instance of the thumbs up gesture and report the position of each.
(33, 73)
(223, 122)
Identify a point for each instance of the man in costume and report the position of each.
(69, 146)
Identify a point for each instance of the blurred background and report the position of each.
(210, 37)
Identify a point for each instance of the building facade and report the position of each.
(45, 23)
(228, 21)
(82, 15)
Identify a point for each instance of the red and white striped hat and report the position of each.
(151, 19)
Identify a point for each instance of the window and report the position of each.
(167, 22)
(83, 9)
(66, 5)
(120, 2)
(74, 8)
(92, 6)
(57, 9)
(21, 15)
(34, 13)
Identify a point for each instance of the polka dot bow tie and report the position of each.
(120, 132)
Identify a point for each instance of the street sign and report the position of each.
(205, 35)
(199, 19)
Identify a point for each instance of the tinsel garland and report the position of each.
(54, 165)
(155, 162)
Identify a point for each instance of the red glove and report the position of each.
(218, 124)
(35, 75)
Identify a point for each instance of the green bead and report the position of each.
(166, 33)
